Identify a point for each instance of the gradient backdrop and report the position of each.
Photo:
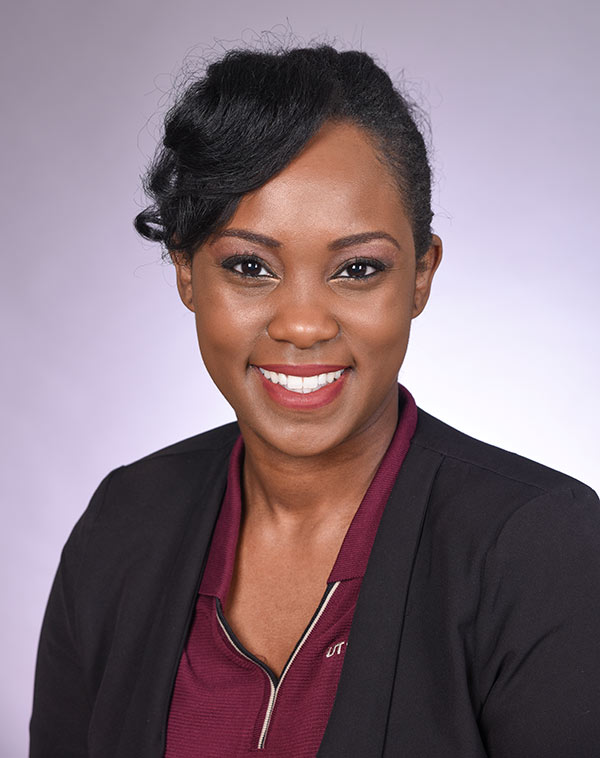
(100, 364)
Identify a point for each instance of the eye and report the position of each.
(249, 266)
(359, 268)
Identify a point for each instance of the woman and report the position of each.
(338, 573)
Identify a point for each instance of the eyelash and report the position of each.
(237, 260)
(371, 262)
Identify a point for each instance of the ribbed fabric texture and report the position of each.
(221, 697)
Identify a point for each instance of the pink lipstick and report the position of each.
(303, 386)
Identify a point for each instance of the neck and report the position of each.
(303, 493)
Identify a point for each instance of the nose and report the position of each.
(303, 320)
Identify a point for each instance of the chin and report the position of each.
(309, 444)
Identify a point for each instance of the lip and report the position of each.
(305, 369)
(295, 401)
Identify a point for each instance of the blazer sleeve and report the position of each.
(538, 638)
(61, 704)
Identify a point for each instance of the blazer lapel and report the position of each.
(358, 721)
(144, 734)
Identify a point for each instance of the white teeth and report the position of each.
(272, 376)
(301, 384)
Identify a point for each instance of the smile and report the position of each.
(303, 385)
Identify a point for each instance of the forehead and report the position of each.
(336, 186)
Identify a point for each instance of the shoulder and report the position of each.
(496, 466)
(212, 440)
(510, 557)
(141, 512)
(197, 453)
(483, 496)
(164, 485)
(186, 461)
(519, 534)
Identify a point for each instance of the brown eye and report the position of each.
(249, 266)
(360, 269)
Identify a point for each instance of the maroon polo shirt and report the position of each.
(226, 702)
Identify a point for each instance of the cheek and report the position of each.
(226, 327)
(382, 327)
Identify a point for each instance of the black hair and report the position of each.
(250, 114)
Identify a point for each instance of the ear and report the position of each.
(183, 272)
(426, 268)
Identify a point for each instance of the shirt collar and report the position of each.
(351, 561)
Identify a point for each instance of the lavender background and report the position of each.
(100, 364)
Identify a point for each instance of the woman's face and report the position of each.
(304, 301)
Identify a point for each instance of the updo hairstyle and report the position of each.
(252, 112)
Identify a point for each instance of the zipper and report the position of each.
(273, 681)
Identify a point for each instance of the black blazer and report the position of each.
(476, 633)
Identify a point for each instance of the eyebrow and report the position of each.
(358, 239)
(261, 239)
(339, 244)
